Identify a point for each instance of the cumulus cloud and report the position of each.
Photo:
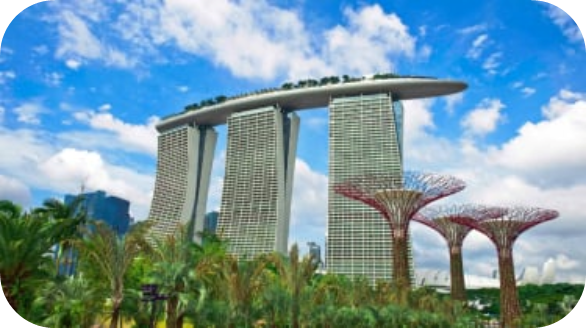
(491, 63)
(484, 119)
(249, 38)
(138, 137)
(14, 190)
(70, 168)
(552, 148)
(44, 162)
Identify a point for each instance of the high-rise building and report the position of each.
(315, 253)
(112, 210)
(99, 206)
(184, 165)
(366, 133)
(256, 198)
(210, 223)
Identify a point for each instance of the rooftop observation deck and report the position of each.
(313, 97)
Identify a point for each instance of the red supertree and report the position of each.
(398, 199)
(439, 219)
(503, 232)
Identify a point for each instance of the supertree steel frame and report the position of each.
(398, 199)
(439, 219)
(503, 232)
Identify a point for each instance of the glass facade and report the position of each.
(110, 209)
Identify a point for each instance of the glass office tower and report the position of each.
(366, 135)
(256, 197)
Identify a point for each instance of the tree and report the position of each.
(25, 243)
(69, 303)
(296, 274)
(72, 218)
(176, 258)
(109, 256)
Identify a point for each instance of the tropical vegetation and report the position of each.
(205, 286)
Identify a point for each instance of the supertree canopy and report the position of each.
(503, 231)
(439, 218)
(398, 199)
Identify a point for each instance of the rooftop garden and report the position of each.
(308, 83)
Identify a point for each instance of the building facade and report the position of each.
(366, 137)
(184, 164)
(99, 206)
(210, 223)
(256, 197)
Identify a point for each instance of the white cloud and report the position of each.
(477, 47)
(14, 190)
(73, 64)
(76, 40)
(527, 91)
(492, 63)
(183, 88)
(261, 32)
(473, 29)
(452, 101)
(483, 119)
(69, 168)
(551, 148)
(565, 102)
(565, 23)
(29, 113)
(139, 137)
(371, 37)
(105, 107)
(2, 111)
(53, 79)
(6, 75)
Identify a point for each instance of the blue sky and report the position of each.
(82, 84)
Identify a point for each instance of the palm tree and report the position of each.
(109, 256)
(176, 258)
(72, 302)
(9, 209)
(243, 284)
(25, 241)
(73, 218)
(296, 274)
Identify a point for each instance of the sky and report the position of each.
(83, 84)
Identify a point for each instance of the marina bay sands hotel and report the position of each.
(365, 136)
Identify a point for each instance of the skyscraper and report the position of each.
(256, 198)
(184, 164)
(110, 209)
(366, 133)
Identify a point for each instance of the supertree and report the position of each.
(503, 232)
(439, 219)
(398, 199)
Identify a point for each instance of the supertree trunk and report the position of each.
(510, 308)
(401, 274)
(458, 286)
(503, 232)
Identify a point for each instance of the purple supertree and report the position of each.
(439, 219)
(398, 199)
(503, 231)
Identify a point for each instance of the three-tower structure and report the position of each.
(366, 133)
